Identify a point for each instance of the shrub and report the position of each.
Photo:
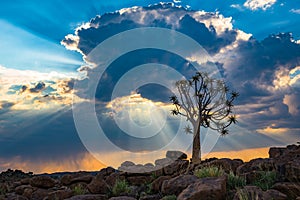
(235, 181)
(169, 197)
(209, 171)
(243, 194)
(121, 186)
(79, 190)
(265, 180)
(3, 189)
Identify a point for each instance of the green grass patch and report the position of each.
(121, 186)
(209, 171)
(265, 180)
(169, 197)
(235, 181)
(79, 190)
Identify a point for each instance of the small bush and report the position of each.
(121, 186)
(79, 190)
(243, 194)
(235, 182)
(3, 189)
(169, 197)
(209, 171)
(265, 180)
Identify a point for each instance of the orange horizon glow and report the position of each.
(89, 163)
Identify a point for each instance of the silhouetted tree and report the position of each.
(205, 102)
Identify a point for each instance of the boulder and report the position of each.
(176, 155)
(28, 192)
(157, 183)
(89, 197)
(42, 182)
(14, 197)
(60, 194)
(39, 194)
(226, 164)
(122, 198)
(163, 162)
(175, 167)
(151, 197)
(258, 164)
(98, 186)
(275, 194)
(69, 179)
(251, 192)
(138, 180)
(276, 152)
(292, 190)
(20, 189)
(103, 173)
(178, 184)
(213, 188)
(112, 178)
(292, 171)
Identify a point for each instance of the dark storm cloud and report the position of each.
(249, 66)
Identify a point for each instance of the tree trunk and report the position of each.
(196, 155)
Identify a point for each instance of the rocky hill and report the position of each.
(171, 178)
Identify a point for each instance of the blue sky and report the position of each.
(254, 43)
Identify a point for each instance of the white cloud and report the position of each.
(286, 78)
(292, 101)
(237, 6)
(259, 4)
(296, 11)
(19, 87)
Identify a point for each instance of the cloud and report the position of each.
(264, 72)
(296, 11)
(259, 4)
(33, 90)
(214, 27)
(292, 101)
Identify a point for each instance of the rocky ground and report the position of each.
(173, 177)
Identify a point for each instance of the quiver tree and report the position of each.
(205, 102)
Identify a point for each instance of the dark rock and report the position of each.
(98, 186)
(157, 183)
(69, 179)
(151, 197)
(39, 194)
(42, 182)
(163, 162)
(20, 189)
(122, 198)
(105, 172)
(207, 188)
(139, 180)
(276, 152)
(28, 192)
(15, 197)
(258, 164)
(178, 184)
(292, 190)
(176, 155)
(251, 192)
(60, 194)
(226, 164)
(292, 171)
(89, 197)
(275, 194)
(112, 178)
(176, 167)
(25, 181)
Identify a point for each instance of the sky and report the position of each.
(86, 84)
